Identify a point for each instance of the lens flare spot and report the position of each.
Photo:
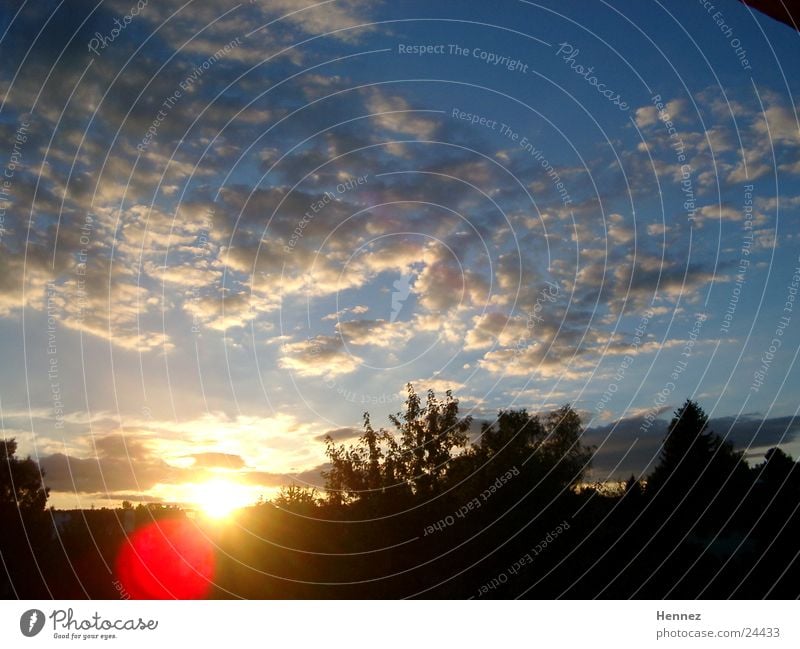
(167, 559)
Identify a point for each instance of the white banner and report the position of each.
(392, 624)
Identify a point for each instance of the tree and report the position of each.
(778, 473)
(430, 437)
(633, 488)
(562, 448)
(514, 434)
(359, 472)
(296, 499)
(694, 461)
(24, 526)
(550, 450)
(411, 462)
(20, 481)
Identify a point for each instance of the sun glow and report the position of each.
(219, 498)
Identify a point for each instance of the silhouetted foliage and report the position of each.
(633, 488)
(20, 481)
(548, 452)
(297, 499)
(779, 473)
(23, 523)
(411, 462)
(693, 458)
(430, 508)
(429, 453)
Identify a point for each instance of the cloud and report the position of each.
(653, 276)
(23, 281)
(778, 123)
(442, 286)
(116, 478)
(629, 446)
(339, 434)
(159, 457)
(359, 309)
(319, 356)
(538, 360)
(218, 460)
(497, 328)
(451, 330)
(649, 115)
(313, 18)
(167, 251)
(394, 114)
(222, 312)
(719, 212)
(646, 116)
(105, 301)
(396, 254)
(753, 166)
(657, 229)
(120, 464)
(758, 433)
(620, 233)
(70, 474)
(439, 385)
(380, 333)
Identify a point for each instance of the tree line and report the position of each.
(428, 508)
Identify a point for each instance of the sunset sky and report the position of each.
(229, 229)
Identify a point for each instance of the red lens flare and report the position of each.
(168, 559)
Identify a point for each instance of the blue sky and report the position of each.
(231, 229)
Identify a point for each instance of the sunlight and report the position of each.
(219, 498)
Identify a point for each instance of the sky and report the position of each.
(231, 229)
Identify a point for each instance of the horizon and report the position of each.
(65, 502)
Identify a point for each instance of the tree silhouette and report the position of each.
(546, 451)
(20, 481)
(699, 475)
(778, 473)
(633, 488)
(562, 449)
(23, 521)
(689, 450)
(429, 454)
(430, 436)
(297, 499)
(777, 467)
(411, 462)
(515, 434)
(419, 508)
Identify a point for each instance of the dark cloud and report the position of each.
(339, 434)
(629, 446)
(756, 432)
(118, 477)
(102, 474)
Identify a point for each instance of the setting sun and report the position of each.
(219, 498)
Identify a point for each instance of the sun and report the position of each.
(219, 498)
